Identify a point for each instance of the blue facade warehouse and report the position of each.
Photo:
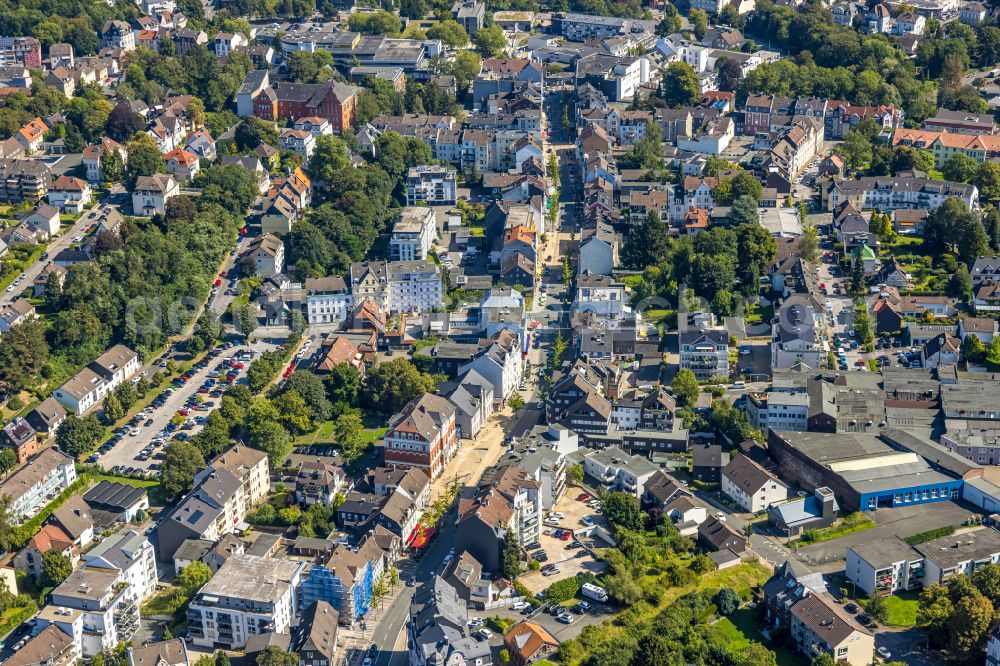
(868, 472)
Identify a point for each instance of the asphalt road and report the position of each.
(54, 247)
(395, 617)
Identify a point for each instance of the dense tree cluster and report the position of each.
(150, 76)
(717, 265)
(958, 616)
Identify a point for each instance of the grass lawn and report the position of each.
(737, 639)
(165, 603)
(745, 622)
(324, 435)
(127, 481)
(855, 522)
(902, 609)
(756, 314)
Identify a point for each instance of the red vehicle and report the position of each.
(238, 366)
(565, 535)
(583, 497)
(822, 286)
(230, 378)
(182, 412)
(218, 283)
(203, 390)
(290, 370)
(222, 274)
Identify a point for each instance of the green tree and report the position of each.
(727, 601)
(180, 464)
(933, 612)
(273, 655)
(112, 409)
(78, 435)
(973, 243)
(856, 149)
(343, 385)
(987, 579)
(622, 511)
(8, 460)
(113, 167)
(349, 433)
(252, 132)
(974, 352)
(490, 41)
(144, 159)
(680, 84)
(245, 317)
(969, 625)
(993, 355)
(685, 387)
(515, 401)
(858, 283)
(574, 474)
(645, 243)
(823, 659)
(56, 567)
(960, 168)
(295, 414)
(194, 577)
(465, 67)
(389, 386)
(878, 609)
(450, 32)
(511, 555)
(744, 211)
(988, 180)
(808, 248)
(699, 22)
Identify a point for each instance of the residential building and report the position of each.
(473, 400)
(414, 286)
(347, 578)
(820, 626)
(31, 486)
(268, 255)
(315, 638)
(103, 375)
(500, 362)
(96, 153)
(130, 554)
(247, 596)
(182, 164)
(23, 180)
(885, 566)
(470, 14)
(705, 352)
(432, 184)
(527, 642)
(413, 235)
(318, 482)
(51, 647)
(26, 51)
(171, 652)
(889, 194)
(69, 194)
(151, 193)
(118, 34)
(791, 581)
(224, 494)
(22, 438)
(327, 300)
(299, 141)
(750, 486)
(423, 435)
(438, 631)
(961, 122)
(109, 608)
(31, 135)
(506, 500)
(614, 469)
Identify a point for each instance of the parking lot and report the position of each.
(139, 444)
(561, 552)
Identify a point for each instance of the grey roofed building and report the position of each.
(164, 653)
(47, 416)
(192, 550)
(51, 647)
(791, 581)
(953, 550)
(793, 517)
(438, 626)
(315, 637)
(74, 517)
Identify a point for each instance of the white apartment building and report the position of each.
(617, 470)
(413, 234)
(414, 286)
(752, 487)
(105, 373)
(894, 193)
(151, 193)
(109, 607)
(705, 352)
(247, 596)
(603, 296)
(36, 483)
(328, 300)
(131, 554)
(779, 410)
(884, 566)
(433, 184)
(500, 363)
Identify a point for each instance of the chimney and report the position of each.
(826, 501)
